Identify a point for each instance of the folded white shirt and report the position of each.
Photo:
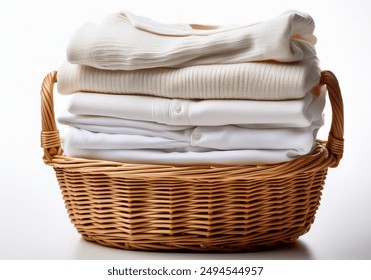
(299, 140)
(174, 157)
(255, 80)
(84, 139)
(110, 125)
(118, 125)
(124, 41)
(290, 113)
(100, 122)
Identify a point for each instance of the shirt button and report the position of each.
(178, 109)
(196, 136)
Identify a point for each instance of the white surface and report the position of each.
(34, 34)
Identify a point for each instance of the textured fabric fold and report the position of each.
(256, 81)
(124, 41)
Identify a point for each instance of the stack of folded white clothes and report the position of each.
(147, 92)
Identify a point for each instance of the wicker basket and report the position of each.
(203, 208)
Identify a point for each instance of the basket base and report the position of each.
(236, 247)
(216, 209)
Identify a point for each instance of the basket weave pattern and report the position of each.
(204, 208)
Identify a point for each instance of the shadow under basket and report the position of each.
(198, 208)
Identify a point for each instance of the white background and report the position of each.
(33, 221)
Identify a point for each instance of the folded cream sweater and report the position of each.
(124, 41)
(255, 80)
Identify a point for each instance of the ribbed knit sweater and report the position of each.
(124, 41)
(255, 81)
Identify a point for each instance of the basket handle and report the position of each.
(50, 140)
(335, 142)
(51, 143)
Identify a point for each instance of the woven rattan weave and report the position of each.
(204, 208)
